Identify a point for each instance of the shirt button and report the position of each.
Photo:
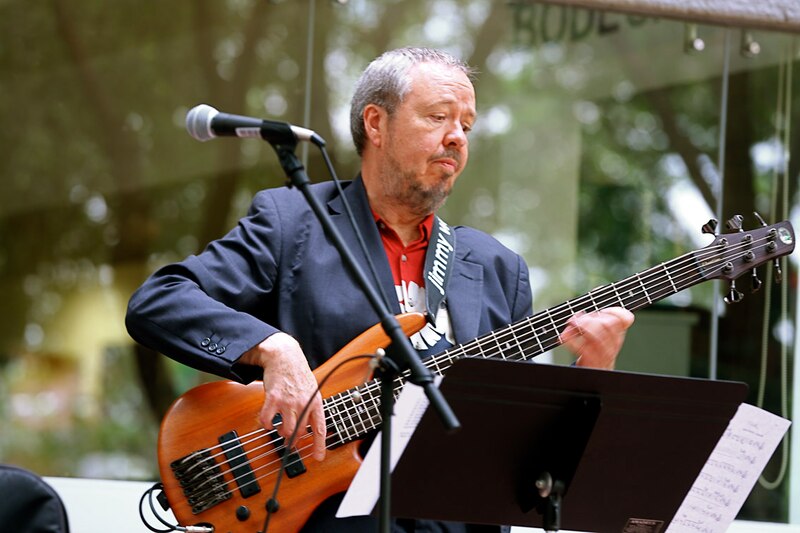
(403, 258)
(205, 342)
(212, 346)
(220, 350)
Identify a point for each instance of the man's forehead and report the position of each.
(428, 69)
(441, 83)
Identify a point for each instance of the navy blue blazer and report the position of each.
(276, 271)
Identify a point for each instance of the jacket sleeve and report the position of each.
(209, 309)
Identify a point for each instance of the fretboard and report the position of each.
(353, 413)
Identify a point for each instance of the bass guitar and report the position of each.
(218, 466)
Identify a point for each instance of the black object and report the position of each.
(619, 450)
(29, 504)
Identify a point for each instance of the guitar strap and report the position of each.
(439, 260)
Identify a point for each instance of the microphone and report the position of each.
(203, 122)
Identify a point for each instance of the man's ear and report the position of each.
(375, 119)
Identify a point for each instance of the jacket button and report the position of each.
(212, 346)
(205, 342)
(220, 350)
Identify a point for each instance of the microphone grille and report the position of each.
(198, 122)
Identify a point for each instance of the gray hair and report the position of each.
(385, 83)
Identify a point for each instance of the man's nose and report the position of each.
(456, 136)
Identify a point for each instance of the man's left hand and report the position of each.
(597, 337)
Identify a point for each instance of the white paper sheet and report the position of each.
(730, 472)
(364, 491)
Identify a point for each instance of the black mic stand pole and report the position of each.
(388, 369)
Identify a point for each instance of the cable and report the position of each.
(149, 492)
(784, 98)
(170, 527)
(713, 349)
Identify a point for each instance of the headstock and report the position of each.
(733, 254)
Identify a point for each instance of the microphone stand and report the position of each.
(403, 353)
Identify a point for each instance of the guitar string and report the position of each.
(521, 355)
(493, 339)
(372, 417)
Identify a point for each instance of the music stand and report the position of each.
(625, 447)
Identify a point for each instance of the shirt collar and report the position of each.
(425, 228)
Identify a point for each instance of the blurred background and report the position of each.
(605, 140)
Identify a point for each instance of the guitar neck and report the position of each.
(539, 333)
(355, 412)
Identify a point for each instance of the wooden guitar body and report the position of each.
(198, 419)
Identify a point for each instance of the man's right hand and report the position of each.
(288, 385)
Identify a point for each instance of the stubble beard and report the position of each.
(404, 188)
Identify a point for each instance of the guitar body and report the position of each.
(202, 415)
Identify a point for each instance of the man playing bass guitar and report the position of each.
(271, 300)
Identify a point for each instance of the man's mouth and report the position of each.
(448, 163)
(451, 162)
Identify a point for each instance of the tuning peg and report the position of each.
(735, 222)
(733, 296)
(755, 282)
(760, 220)
(710, 227)
(778, 271)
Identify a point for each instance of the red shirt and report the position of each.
(407, 262)
(408, 266)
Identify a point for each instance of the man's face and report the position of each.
(426, 143)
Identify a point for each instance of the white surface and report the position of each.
(782, 15)
(737, 527)
(100, 506)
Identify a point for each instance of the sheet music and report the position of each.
(731, 472)
(364, 491)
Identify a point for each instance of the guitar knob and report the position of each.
(710, 227)
(242, 513)
(734, 296)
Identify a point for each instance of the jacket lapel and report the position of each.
(356, 197)
(464, 296)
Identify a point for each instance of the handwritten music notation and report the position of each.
(731, 472)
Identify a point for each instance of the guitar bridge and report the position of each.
(201, 479)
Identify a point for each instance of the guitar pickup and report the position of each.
(294, 464)
(240, 466)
